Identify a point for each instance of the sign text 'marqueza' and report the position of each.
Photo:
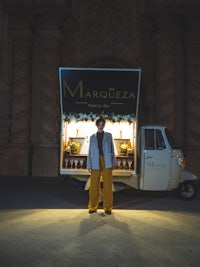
(79, 91)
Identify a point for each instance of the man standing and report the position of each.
(101, 159)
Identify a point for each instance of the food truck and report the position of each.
(146, 157)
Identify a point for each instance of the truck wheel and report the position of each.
(187, 190)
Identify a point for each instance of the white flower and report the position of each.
(115, 118)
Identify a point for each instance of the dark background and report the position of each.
(37, 37)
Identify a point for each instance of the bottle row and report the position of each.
(75, 162)
(81, 163)
(125, 164)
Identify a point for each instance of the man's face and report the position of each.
(100, 127)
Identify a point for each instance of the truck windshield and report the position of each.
(171, 141)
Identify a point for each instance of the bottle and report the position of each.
(78, 164)
(132, 165)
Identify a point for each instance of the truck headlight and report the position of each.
(182, 162)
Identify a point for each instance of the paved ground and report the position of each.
(44, 222)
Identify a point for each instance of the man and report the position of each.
(101, 159)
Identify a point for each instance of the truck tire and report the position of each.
(187, 190)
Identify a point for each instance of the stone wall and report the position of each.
(35, 39)
(192, 93)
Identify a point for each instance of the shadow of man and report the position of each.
(104, 224)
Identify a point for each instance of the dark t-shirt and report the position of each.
(100, 139)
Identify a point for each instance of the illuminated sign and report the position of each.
(99, 90)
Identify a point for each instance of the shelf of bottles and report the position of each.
(75, 161)
(125, 162)
(80, 162)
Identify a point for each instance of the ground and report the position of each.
(45, 222)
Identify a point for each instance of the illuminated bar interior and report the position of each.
(75, 143)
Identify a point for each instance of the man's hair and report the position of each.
(100, 120)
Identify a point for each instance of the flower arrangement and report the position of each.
(75, 147)
(72, 116)
(123, 148)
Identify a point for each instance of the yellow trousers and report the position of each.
(107, 187)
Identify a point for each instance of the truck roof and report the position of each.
(149, 126)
